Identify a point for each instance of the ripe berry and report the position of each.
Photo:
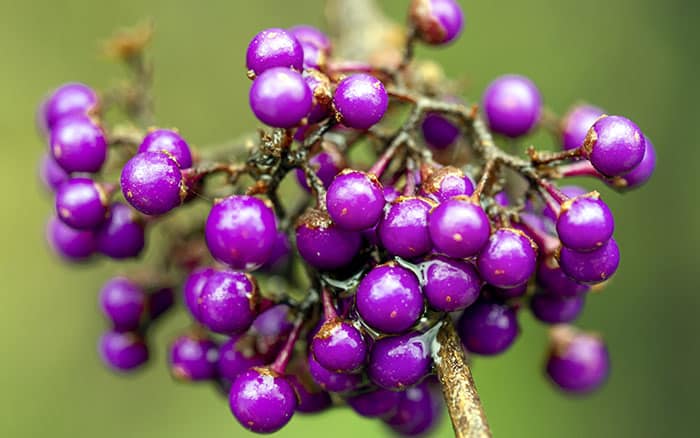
(78, 144)
(450, 285)
(332, 381)
(339, 346)
(312, 399)
(360, 101)
(488, 327)
(122, 235)
(279, 254)
(555, 282)
(311, 35)
(375, 403)
(71, 244)
(437, 21)
(556, 309)
(192, 289)
(123, 351)
(81, 203)
(398, 362)
(355, 200)
(228, 303)
(585, 222)
(512, 105)
(280, 97)
(69, 100)
(274, 48)
(459, 227)
(193, 358)
(438, 131)
(322, 244)
(570, 192)
(152, 183)
(418, 411)
(51, 174)
(241, 231)
(170, 143)
(389, 298)
(326, 164)
(576, 123)
(508, 259)
(447, 182)
(236, 356)
(262, 401)
(578, 362)
(593, 266)
(614, 145)
(123, 302)
(643, 171)
(404, 229)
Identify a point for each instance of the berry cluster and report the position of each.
(342, 292)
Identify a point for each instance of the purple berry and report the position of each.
(332, 381)
(404, 229)
(450, 285)
(509, 258)
(389, 298)
(236, 356)
(578, 362)
(488, 328)
(280, 97)
(69, 243)
(355, 200)
(375, 403)
(585, 223)
(360, 101)
(614, 145)
(437, 22)
(81, 203)
(312, 399)
(418, 411)
(123, 302)
(69, 100)
(314, 57)
(512, 105)
(262, 401)
(51, 174)
(193, 287)
(556, 309)
(320, 92)
(593, 266)
(123, 351)
(391, 194)
(152, 183)
(122, 235)
(447, 182)
(170, 143)
(241, 231)
(78, 144)
(193, 358)
(326, 164)
(459, 227)
(311, 35)
(339, 346)
(322, 244)
(279, 254)
(273, 322)
(570, 192)
(228, 303)
(576, 123)
(641, 174)
(555, 282)
(438, 131)
(274, 48)
(398, 362)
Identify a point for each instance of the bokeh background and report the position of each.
(634, 57)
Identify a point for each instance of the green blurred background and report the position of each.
(634, 57)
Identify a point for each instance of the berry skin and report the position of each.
(339, 346)
(614, 145)
(576, 123)
(556, 309)
(81, 203)
(641, 174)
(228, 302)
(488, 328)
(279, 255)
(578, 362)
(320, 92)
(236, 356)
(459, 227)
(450, 285)
(193, 358)
(438, 131)
(170, 143)
(570, 192)
(322, 244)
(355, 200)
(311, 398)
(152, 183)
(78, 144)
(418, 411)
(193, 287)
(437, 22)
(262, 401)
(241, 231)
(71, 244)
(280, 97)
(512, 105)
(360, 101)
(398, 362)
(509, 258)
(311, 35)
(51, 174)
(332, 381)
(69, 100)
(593, 266)
(326, 164)
(389, 298)
(404, 229)
(122, 235)
(274, 48)
(447, 182)
(555, 282)
(375, 403)
(123, 352)
(123, 302)
(585, 223)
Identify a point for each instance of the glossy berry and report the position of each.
(576, 123)
(509, 258)
(512, 105)
(459, 227)
(81, 203)
(314, 57)
(262, 401)
(193, 287)
(404, 229)
(578, 362)
(339, 346)
(591, 267)
(170, 143)
(360, 101)
(228, 303)
(193, 358)
(312, 399)
(438, 131)
(123, 351)
(418, 411)
(585, 223)
(398, 362)
(569, 192)
(122, 235)
(311, 35)
(355, 200)
(274, 48)
(152, 183)
(280, 97)
(322, 244)
(69, 100)
(236, 356)
(448, 284)
(78, 144)
(554, 281)
(614, 145)
(69, 243)
(437, 22)
(332, 381)
(447, 182)
(643, 171)
(51, 174)
(326, 164)
(556, 309)
(375, 403)
(488, 327)
(123, 302)
(241, 231)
